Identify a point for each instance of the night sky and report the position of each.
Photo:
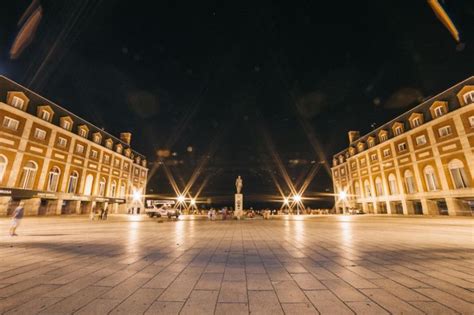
(221, 83)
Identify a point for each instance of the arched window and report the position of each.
(72, 184)
(368, 193)
(458, 174)
(53, 179)
(122, 190)
(409, 182)
(430, 178)
(392, 184)
(3, 166)
(102, 183)
(357, 189)
(88, 185)
(378, 187)
(28, 175)
(113, 188)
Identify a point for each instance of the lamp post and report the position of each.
(297, 199)
(343, 197)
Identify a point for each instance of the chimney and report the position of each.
(126, 137)
(353, 136)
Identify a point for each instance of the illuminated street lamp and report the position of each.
(193, 202)
(180, 199)
(137, 195)
(343, 198)
(297, 199)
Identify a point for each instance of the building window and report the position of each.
(402, 147)
(378, 187)
(471, 121)
(53, 179)
(353, 165)
(113, 188)
(106, 159)
(10, 123)
(383, 137)
(66, 124)
(430, 177)
(439, 111)
(367, 188)
(108, 144)
(94, 154)
(458, 174)
(371, 143)
(72, 184)
(28, 175)
(357, 189)
(122, 190)
(409, 182)
(79, 148)
(420, 140)
(392, 184)
(386, 152)
(40, 134)
(119, 149)
(17, 102)
(398, 130)
(444, 131)
(62, 142)
(336, 173)
(45, 115)
(102, 183)
(3, 166)
(343, 172)
(83, 133)
(97, 139)
(416, 122)
(117, 163)
(468, 97)
(373, 157)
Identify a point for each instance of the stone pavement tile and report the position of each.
(28, 275)
(98, 307)
(299, 308)
(278, 273)
(34, 306)
(234, 274)
(182, 286)
(289, 292)
(233, 291)
(168, 308)
(448, 300)
(320, 273)
(255, 267)
(200, 302)
(115, 278)
(344, 291)
(404, 280)
(11, 289)
(215, 267)
(399, 290)
(264, 302)
(161, 280)
(434, 308)
(232, 308)
(327, 303)
(125, 288)
(366, 308)
(72, 287)
(453, 280)
(353, 279)
(461, 293)
(138, 302)
(390, 302)
(294, 267)
(307, 281)
(209, 281)
(364, 272)
(258, 281)
(25, 296)
(75, 301)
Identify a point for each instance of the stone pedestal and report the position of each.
(239, 205)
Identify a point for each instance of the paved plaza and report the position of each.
(300, 265)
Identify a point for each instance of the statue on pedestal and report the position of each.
(239, 184)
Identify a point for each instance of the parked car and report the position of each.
(163, 211)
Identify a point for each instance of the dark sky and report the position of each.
(233, 79)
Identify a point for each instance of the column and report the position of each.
(458, 207)
(429, 207)
(408, 207)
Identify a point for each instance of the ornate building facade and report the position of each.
(421, 162)
(58, 163)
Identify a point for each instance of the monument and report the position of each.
(239, 198)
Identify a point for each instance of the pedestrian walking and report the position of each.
(16, 218)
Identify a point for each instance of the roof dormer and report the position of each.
(128, 152)
(352, 151)
(416, 119)
(360, 146)
(119, 148)
(97, 137)
(466, 95)
(398, 128)
(109, 143)
(341, 159)
(144, 162)
(18, 100)
(83, 131)
(383, 135)
(370, 141)
(438, 109)
(45, 112)
(66, 122)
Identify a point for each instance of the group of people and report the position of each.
(225, 212)
(101, 214)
